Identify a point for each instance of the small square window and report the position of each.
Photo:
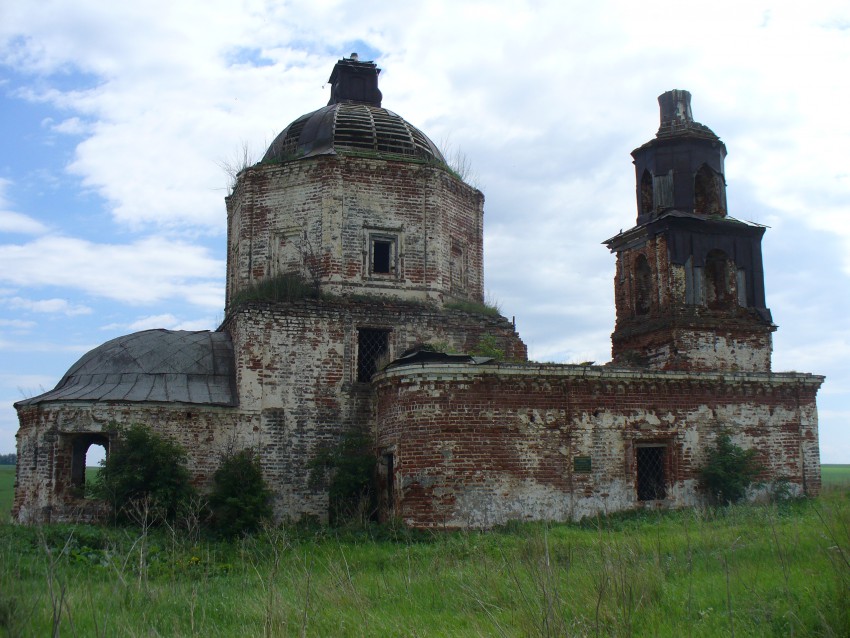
(383, 254)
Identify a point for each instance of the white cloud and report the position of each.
(12, 222)
(17, 223)
(71, 126)
(170, 322)
(48, 306)
(43, 347)
(18, 324)
(145, 271)
(545, 98)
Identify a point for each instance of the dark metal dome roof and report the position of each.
(153, 365)
(354, 129)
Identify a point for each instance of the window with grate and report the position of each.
(651, 472)
(373, 349)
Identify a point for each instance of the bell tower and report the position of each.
(689, 288)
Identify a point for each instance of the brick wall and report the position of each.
(676, 333)
(481, 445)
(297, 373)
(44, 491)
(317, 215)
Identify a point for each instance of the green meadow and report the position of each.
(778, 569)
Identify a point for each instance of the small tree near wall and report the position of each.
(143, 467)
(240, 499)
(728, 471)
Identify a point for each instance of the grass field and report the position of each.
(7, 489)
(835, 475)
(755, 570)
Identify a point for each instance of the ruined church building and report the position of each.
(358, 205)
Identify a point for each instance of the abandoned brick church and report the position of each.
(360, 207)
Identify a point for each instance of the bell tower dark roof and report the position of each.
(353, 123)
(682, 168)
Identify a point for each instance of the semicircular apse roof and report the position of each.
(354, 128)
(152, 365)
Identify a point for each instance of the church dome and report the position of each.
(352, 128)
(353, 123)
(152, 365)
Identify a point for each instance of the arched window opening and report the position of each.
(719, 289)
(86, 449)
(643, 286)
(708, 192)
(646, 195)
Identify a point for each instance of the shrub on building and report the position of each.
(240, 500)
(728, 471)
(144, 476)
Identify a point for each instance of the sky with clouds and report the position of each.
(116, 121)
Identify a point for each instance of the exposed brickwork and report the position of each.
(389, 243)
(297, 371)
(676, 331)
(478, 446)
(43, 488)
(316, 217)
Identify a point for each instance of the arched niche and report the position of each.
(643, 286)
(646, 193)
(719, 279)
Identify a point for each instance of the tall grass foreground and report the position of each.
(746, 570)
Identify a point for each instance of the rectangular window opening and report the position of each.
(382, 256)
(373, 348)
(651, 473)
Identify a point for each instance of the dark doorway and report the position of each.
(651, 474)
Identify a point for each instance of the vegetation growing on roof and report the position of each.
(285, 287)
(487, 308)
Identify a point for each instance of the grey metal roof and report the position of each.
(353, 128)
(152, 365)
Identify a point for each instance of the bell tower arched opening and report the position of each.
(646, 193)
(708, 192)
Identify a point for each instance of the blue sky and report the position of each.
(116, 120)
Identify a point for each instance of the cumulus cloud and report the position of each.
(148, 270)
(545, 99)
(48, 306)
(17, 324)
(12, 222)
